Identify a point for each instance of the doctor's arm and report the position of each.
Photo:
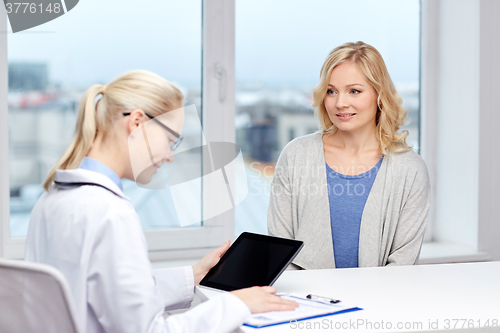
(180, 295)
(124, 297)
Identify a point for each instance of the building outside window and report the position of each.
(51, 66)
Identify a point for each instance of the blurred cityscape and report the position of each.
(42, 117)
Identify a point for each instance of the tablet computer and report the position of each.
(252, 260)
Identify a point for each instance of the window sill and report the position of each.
(173, 263)
(443, 252)
(432, 253)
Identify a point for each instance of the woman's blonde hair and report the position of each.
(390, 114)
(137, 89)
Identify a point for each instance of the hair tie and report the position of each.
(103, 89)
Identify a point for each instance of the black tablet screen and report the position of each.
(252, 262)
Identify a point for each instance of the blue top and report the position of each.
(347, 196)
(96, 166)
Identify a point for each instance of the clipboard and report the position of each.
(308, 309)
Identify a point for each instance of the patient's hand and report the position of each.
(207, 262)
(263, 299)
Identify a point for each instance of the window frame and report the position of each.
(218, 121)
(445, 245)
(217, 56)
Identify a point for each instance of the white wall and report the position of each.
(489, 129)
(457, 116)
(461, 120)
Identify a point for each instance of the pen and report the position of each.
(315, 298)
(324, 299)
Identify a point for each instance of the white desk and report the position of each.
(406, 294)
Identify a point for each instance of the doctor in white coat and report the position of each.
(87, 228)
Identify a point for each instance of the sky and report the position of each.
(277, 42)
(288, 41)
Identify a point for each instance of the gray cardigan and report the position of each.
(393, 220)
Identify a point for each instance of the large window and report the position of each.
(280, 47)
(50, 67)
(278, 60)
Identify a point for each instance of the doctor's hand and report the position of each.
(207, 262)
(263, 299)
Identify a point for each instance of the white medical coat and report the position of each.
(93, 235)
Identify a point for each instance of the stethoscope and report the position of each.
(78, 184)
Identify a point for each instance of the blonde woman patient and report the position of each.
(354, 192)
(86, 227)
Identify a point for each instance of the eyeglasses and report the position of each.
(179, 137)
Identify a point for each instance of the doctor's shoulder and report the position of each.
(111, 211)
(92, 205)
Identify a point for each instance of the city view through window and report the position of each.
(280, 48)
(52, 65)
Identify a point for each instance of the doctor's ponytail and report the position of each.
(85, 132)
(137, 89)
